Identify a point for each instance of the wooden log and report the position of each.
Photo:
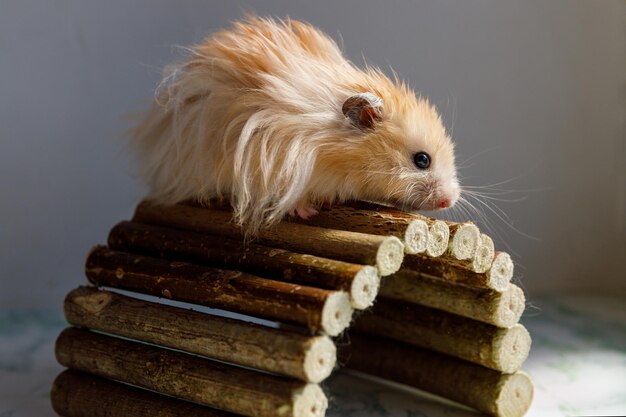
(464, 240)
(360, 281)
(385, 252)
(189, 377)
(458, 271)
(500, 308)
(318, 309)
(309, 358)
(501, 349)
(485, 253)
(489, 391)
(79, 394)
(438, 238)
(411, 230)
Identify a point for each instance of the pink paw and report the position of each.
(304, 211)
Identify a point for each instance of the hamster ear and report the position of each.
(363, 109)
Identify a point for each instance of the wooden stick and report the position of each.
(502, 309)
(386, 252)
(360, 281)
(484, 256)
(500, 349)
(438, 238)
(413, 231)
(489, 391)
(458, 272)
(309, 358)
(189, 377)
(318, 309)
(79, 394)
(464, 239)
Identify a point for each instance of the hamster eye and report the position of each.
(421, 160)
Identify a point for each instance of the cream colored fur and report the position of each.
(254, 115)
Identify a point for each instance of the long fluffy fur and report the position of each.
(253, 115)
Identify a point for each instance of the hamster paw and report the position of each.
(304, 211)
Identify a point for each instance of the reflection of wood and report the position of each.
(386, 252)
(489, 391)
(309, 358)
(188, 377)
(502, 309)
(501, 349)
(318, 309)
(360, 281)
(79, 394)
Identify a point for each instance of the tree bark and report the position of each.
(360, 281)
(412, 230)
(318, 309)
(500, 308)
(385, 252)
(503, 350)
(188, 377)
(79, 394)
(458, 271)
(309, 358)
(489, 391)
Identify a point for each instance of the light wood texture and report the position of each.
(309, 358)
(360, 281)
(464, 240)
(318, 309)
(503, 350)
(385, 252)
(485, 252)
(79, 394)
(500, 308)
(189, 377)
(438, 238)
(489, 391)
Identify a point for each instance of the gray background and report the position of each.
(535, 93)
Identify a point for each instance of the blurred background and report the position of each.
(534, 93)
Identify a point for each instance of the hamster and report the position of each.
(270, 115)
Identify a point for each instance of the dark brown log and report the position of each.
(385, 252)
(318, 309)
(189, 377)
(360, 281)
(456, 271)
(412, 230)
(489, 391)
(497, 348)
(309, 358)
(79, 394)
(502, 309)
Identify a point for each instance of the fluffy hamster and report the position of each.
(270, 115)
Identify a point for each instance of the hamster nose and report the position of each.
(444, 203)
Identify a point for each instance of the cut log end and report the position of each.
(501, 272)
(516, 394)
(390, 256)
(465, 241)
(511, 307)
(337, 313)
(416, 237)
(320, 359)
(364, 288)
(511, 347)
(438, 238)
(484, 255)
(309, 401)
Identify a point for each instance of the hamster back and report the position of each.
(270, 115)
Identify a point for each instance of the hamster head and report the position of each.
(397, 150)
